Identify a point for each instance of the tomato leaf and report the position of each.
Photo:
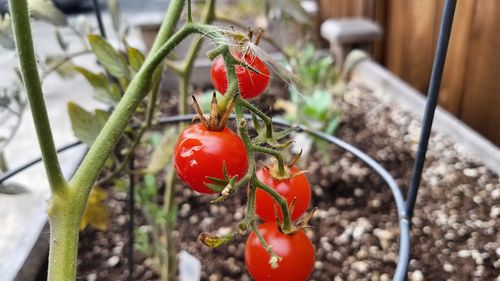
(106, 91)
(65, 69)
(212, 241)
(96, 213)
(110, 58)
(86, 125)
(163, 153)
(135, 58)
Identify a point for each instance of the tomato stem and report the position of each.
(287, 227)
(31, 79)
(189, 14)
(274, 258)
(267, 120)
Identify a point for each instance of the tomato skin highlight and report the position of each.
(296, 250)
(296, 186)
(200, 153)
(251, 83)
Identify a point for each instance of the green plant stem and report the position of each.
(274, 258)
(250, 209)
(88, 171)
(105, 142)
(168, 25)
(169, 264)
(233, 86)
(187, 67)
(64, 231)
(254, 182)
(65, 214)
(272, 152)
(267, 120)
(189, 14)
(24, 45)
(287, 222)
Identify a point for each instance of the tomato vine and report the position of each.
(69, 198)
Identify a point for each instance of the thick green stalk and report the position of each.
(66, 214)
(168, 25)
(91, 165)
(24, 44)
(64, 231)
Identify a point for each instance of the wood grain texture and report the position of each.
(454, 76)
(470, 83)
(480, 107)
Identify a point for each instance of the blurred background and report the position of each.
(470, 86)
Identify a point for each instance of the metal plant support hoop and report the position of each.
(404, 207)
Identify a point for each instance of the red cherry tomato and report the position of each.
(200, 153)
(297, 186)
(296, 250)
(251, 83)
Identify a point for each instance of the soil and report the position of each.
(456, 232)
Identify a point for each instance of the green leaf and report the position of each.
(214, 241)
(46, 10)
(86, 125)
(135, 58)
(65, 70)
(162, 155)
(111, 59)
(105, 91)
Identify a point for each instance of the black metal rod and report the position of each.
(430, 105)
(131, 204)
(98, 15)
(27, 165)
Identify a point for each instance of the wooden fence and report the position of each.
(471, 84)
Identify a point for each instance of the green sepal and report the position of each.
(261, 138)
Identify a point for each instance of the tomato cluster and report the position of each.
(206, 156)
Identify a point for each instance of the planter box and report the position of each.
(381, 79)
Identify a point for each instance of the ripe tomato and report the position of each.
(296, 250)
(251, 83)
(200, 153)
(297, 186)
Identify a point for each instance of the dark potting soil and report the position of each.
(456, 233)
